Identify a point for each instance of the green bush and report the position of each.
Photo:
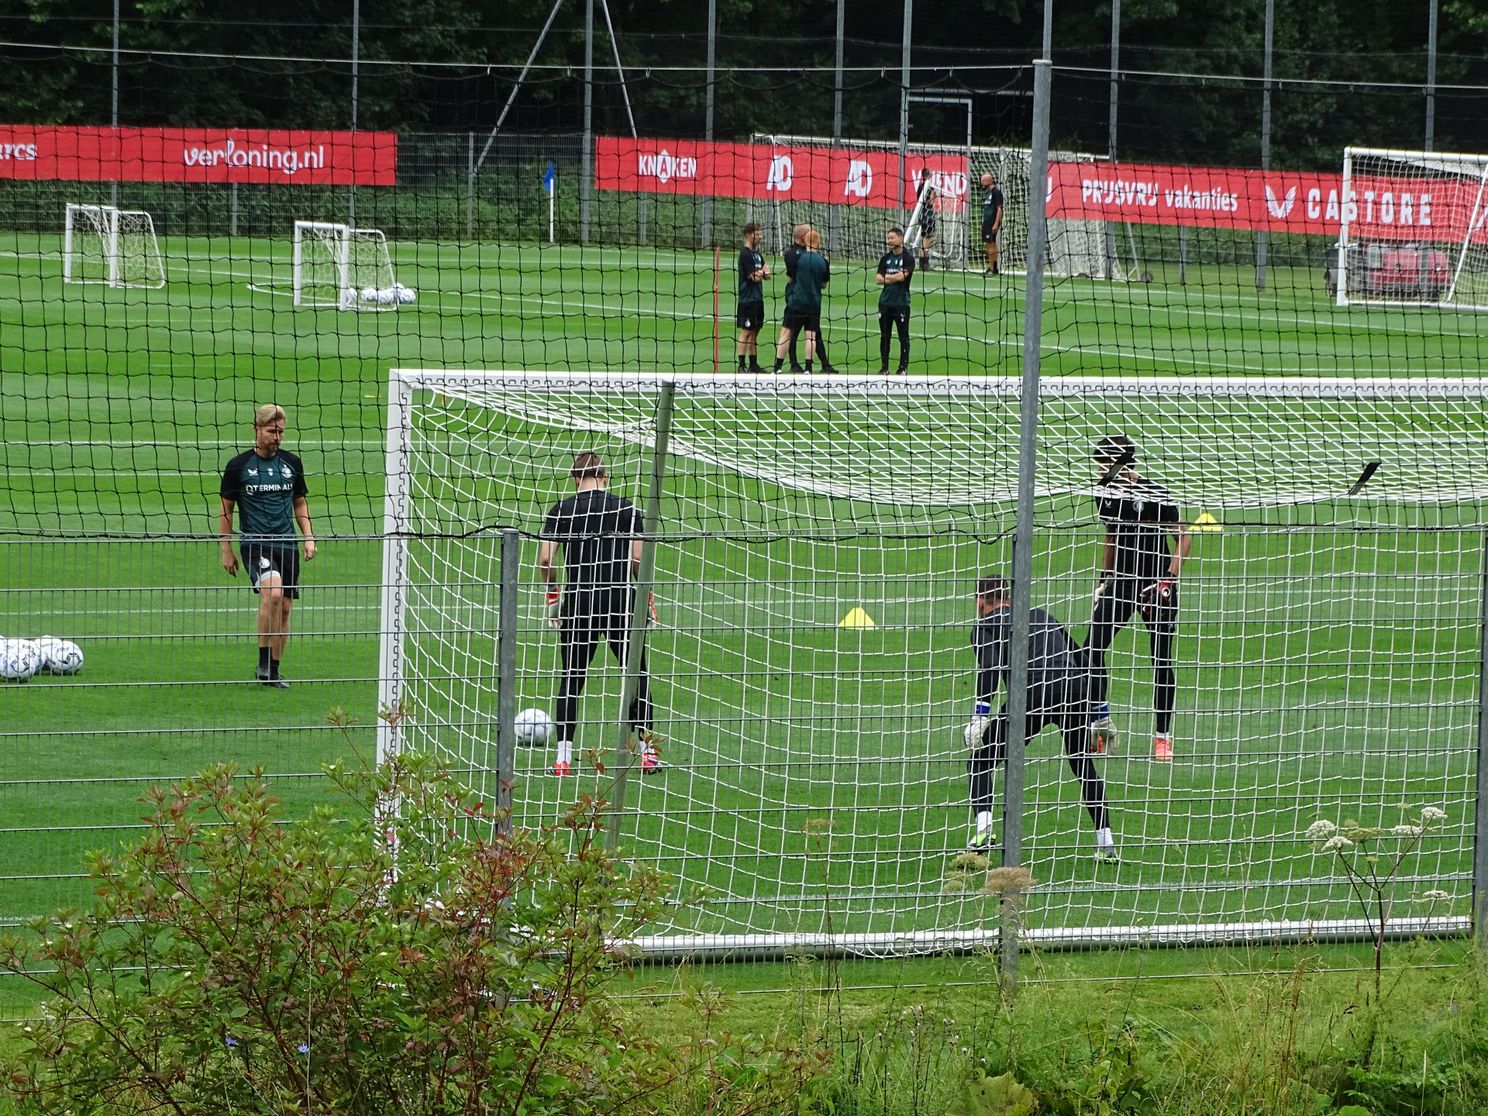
(237, 961)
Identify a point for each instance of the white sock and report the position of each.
(984, 821)
(565, 751)
(1103, 839)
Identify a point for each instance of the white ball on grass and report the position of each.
(406, 294)
(64, 657)
(369, 294)
(19, 659)
(534, 728)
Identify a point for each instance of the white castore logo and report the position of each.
(782, 173)
(859, 180)
(1279, 209)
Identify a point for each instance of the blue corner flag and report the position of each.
(550, 176)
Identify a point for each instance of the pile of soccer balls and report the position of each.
(21, 658)
(396, 295)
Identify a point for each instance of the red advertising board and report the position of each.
(246, 155)
(763, 171)
(1217, 197)
(1279, 201)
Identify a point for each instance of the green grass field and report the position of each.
(815, 776)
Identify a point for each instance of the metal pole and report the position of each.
(640, 614)
(904, 103)
(1480, 812)
(232, 209)
(356, 43)
(586, 160)
(706, 237)
(114, 113)
(837, 76)
(506, 674)
(1430, 137)
(1017, 699)
(833, 221)
(470, 186)
(1263, 238)
(1115, 86)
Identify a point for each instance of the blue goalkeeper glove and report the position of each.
(976, 728)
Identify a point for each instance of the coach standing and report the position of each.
(267, 486)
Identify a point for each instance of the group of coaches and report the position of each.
(807, 274)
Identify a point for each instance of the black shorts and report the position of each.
(798, 320)
(989, 234)
(265, 558)
(927, 223)
(751, 315)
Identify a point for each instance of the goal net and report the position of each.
(1414, 229)
(816, 548)
(342, 266)
(105, 244)
(1075, 246)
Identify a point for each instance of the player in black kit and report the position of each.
(1057, 695)
(751, 315)
(600, 535)
(1138, 573)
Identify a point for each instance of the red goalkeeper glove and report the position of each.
(1158, 595)
(554, 620)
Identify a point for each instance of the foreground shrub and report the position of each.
(239, 962)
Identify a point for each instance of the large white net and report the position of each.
(816, 549)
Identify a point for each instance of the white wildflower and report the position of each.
(1406, 831)
(1321, 830)
(1432, 814)
(1336, 842)
(1436, 896)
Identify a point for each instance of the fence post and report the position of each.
(506, 675)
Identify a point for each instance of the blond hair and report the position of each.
(813, 239)
(269, 412)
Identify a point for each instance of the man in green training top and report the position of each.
(803, 302)
(267, 486)
(895, 273)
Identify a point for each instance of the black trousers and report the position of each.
(1112, 611)
(586, 620)
(887, 320)
(1067, 710)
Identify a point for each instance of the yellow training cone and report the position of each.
(857, 618)
(1206, 522)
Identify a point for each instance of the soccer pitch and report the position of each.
(815, 776)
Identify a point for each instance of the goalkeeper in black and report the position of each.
(895, 273)
(1145, 547)
(600, 536)
(751, 313)
(1057, 695)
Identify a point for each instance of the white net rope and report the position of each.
(811, 668)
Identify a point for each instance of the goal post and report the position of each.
(818, 547)
(112, 246)
(1075, 246)
(340, 266)
(1413, 229)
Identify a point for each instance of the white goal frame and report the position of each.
(112, 246)
(1337, 425)
(1404, 271)
(335, 264)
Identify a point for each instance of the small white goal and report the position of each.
(342, 266)
(105, 244)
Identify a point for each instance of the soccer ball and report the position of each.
(534, 728)
(386, 296)
(60, 656)
(369, 294)
(405, 294)
(19, 659)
